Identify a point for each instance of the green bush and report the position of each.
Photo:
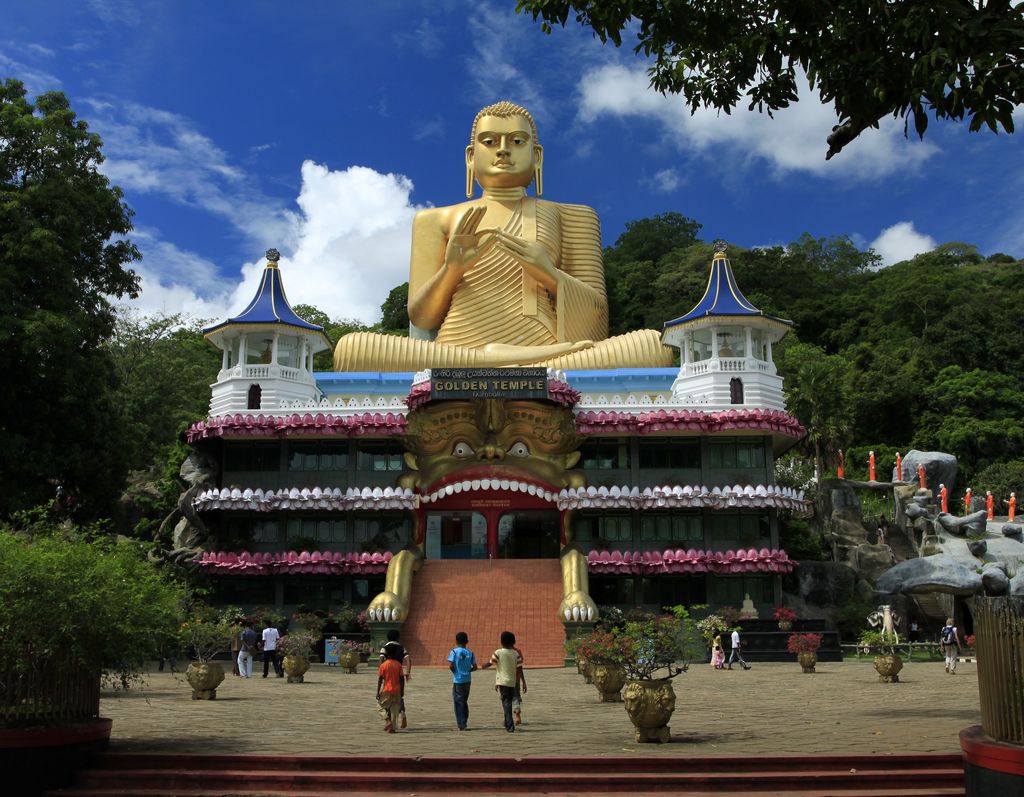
(95, 603)
(799, 540)
(1002, 479)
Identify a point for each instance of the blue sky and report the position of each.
(321, 127)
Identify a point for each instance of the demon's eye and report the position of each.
(462, 450)
(519, 449)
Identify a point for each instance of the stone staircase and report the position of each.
(149, 775)
(484, 598)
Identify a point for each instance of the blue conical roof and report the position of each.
(269, 305)
(722, 297)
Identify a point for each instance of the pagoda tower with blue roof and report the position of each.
(267, 352)
(726, 346)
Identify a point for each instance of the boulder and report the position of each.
(994, 579)
(939, 468)
(977, 548)
(939, 573)
(198, 469)
(1017, 584)
(844, 535)
(825, 583)
(865, 591)
(870, 561)
(973, 524)
(914, 510)
(1013, 531)
(186, 535)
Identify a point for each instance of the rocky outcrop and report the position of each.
(969, 525)
(871, 561)
(939, 468)
(939, 573)
(825, 583)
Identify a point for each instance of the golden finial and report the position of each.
(272, 257)
(720, 247)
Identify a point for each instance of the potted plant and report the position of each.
(348, 654)
(296, 647)
(785, 618)
(207, 632)
(805, 646)
(888, 662)
(653, 650)
(603, 652)
(710, 627)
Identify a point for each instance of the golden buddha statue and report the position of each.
(507, 279)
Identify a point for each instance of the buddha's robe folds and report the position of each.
(498, 302)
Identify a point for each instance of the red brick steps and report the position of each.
(128, 775)
(484, 598)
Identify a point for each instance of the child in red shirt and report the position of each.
(389, 692)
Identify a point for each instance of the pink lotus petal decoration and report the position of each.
(691, 561)
(292, 562)
(603, 422)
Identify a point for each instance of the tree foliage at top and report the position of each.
(62, 254)
(955, 59)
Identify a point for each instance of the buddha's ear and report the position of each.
(410, 460)
(469, 172)
(538, 168)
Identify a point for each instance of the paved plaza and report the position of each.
(772, 709)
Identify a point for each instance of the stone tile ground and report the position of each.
(772, 709)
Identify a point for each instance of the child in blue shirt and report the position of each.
(462, 663)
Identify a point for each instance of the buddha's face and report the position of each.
(503, 154)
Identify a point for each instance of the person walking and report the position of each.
(736, 653)
(237, 626)
(246, 648)
(462, 663)
(508, 675)
(717, 654)
(949, 639)
(389, 692)
(270, 637)
(393, 649)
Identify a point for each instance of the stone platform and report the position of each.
(772, 709)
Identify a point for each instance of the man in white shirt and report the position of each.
(270, 637)
(736, 653)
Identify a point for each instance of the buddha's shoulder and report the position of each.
(580, 212)
(442, 217)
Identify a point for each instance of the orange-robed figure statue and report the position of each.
(506, 279)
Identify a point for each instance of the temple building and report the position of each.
(503, 485)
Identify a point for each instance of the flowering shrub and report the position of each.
(729, 614)
(710, 627)
(969, 640)
(651, 644)
(308, 621)
(351, 646)
(804, 643)
(602, 647)
(882, 641)
(783, 615)
(298, 643)
(206, 631)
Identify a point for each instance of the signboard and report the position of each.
(472, 383)
(332, 648)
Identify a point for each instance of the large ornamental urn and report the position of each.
(888, 666)
(808, 660)
(348, 660)
(650, 705)
(295, 668)
(204, 677)
(609, 679)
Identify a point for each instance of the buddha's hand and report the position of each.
(531, 255)
(467, 243)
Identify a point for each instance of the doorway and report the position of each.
(529, 534)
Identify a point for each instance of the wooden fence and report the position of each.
(48, 692)
(999, 641)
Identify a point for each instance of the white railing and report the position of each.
(265, 372)
(730, 364)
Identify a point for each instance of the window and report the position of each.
(604, 454)
(735, 390)
(254, 400)
(675, 590)
(735, 453)
(732, 530)
(266, 531)
(245, 456)
(385, 455)
(730, 590)
(380, 532)
(604, 531)
(317, 456)
(666, 530)
(669, 454)
(612, 590)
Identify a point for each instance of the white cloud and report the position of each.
(666, 181)
(901, 242)
(791, 141)
(154, 151)
(349, 249)
(37, 81)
